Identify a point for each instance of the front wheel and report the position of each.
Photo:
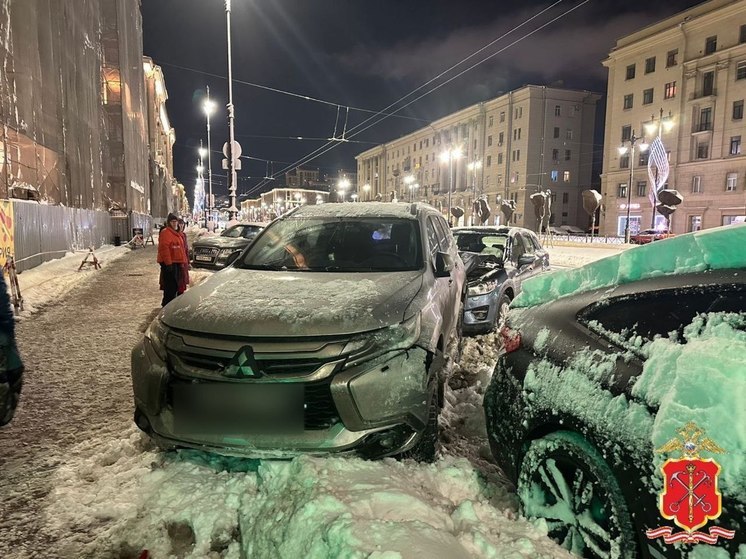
(564, 480)
(503, 306)
(426, 448)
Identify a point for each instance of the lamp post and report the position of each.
(658, 150)
(448, 156)
(342, 185)
(366, 189)
(231, 132)
(623, 149)
(474, 166)
(208, 106)
(409, 181)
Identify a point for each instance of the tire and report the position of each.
(426, 448)
(564, 478)
(456, 343)
(9, 403)
(502, 310)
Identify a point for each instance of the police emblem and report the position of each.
(690, 494)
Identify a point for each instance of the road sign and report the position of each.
(236, 150)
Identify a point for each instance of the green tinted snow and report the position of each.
(712, 249)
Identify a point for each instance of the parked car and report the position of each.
(648, 236)
(327, 335)
(497, 260)
(219, 251)
(582, 400)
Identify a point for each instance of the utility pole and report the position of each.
(233, 210)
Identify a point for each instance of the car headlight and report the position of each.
(156, 335)
(481, 289)
(372, 344)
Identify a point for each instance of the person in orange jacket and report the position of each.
(171, 257)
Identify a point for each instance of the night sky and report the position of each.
(363, 54)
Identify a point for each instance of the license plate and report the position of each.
(202, 258)
(231, 408)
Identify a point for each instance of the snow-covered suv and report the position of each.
(327, 335)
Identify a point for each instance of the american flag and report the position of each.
(657, 169)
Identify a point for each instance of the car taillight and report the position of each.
(511, 339)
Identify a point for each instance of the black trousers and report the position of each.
(170, 282)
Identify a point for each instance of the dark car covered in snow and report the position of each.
(219, 251)
(615, 380)
(497, 260)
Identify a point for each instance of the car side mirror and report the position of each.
(443, 264)
(526, 259)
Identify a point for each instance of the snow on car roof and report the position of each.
(359, 209)
(711, 249)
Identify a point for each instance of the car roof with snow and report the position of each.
(363, 209)
(710, 249)
(489, 229)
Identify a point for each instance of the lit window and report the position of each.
(735, 145)
(670, 90)
(566, 176)
(554, 175)
(730, 182)
(621, 190)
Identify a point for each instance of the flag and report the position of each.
(657, 169)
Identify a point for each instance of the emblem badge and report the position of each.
(243, 365)
(690, 494)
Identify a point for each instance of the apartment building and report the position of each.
(535, 138)
(684, 79)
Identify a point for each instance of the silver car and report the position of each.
(327, 335)
(219, 251)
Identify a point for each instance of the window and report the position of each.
(729, 219)
(730, 182)
(502, 116)
(516, 155)
(642, 160)
(642, 186)
(568, 155)
(568, 134)
(566, 176)
(630, 72)
(628, 101)
(650, 65)
(565, 197)
(621, 190)
(703, 149)
(696, 184)
(670, 91)
(708, 83)
(711, 44)
(489, 140)
(492, 121)
(554, 176)
(557, 110)
(695, 223)
(556, 131)
(735, 145)
(738, 110)
(647, 96)
(705, 119)
(499, 158)
(624, 161)
(500, 138)
(671, 58)
(555, 156)
(489, 160)
(741, 70)
(626, 132)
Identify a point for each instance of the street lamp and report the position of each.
(448, 156)
(366, 188)
(342, 185)
(409, 181)
(231, 113)
(208, 106)
(474, 166)
(623, 149)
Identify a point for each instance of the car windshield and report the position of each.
(322, 244)
(245, 231)
(481, 243)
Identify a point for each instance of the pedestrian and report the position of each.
(11, 366)
(184, 276)
(171, 257)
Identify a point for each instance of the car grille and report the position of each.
(195, 358)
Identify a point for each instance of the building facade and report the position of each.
(683, 79)
(532, 139)
(277, 201)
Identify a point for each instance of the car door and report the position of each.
(458, 274)
(441, 308)
(522, 269)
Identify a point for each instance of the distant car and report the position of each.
(572, 230)
(219, 251)
(497, 260)
(592, 379)
(648, 236)
(328, 335)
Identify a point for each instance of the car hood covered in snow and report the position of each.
(251, 303)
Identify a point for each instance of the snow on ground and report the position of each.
(85, 482)
(572, 256)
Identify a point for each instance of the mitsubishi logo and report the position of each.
(243, 365)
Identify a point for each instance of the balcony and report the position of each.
(702, 127)
(702, 93)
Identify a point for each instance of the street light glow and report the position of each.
(209, 106)
(200, 168)
(202, 151)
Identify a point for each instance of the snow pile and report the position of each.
(718, 248)
(195, 505)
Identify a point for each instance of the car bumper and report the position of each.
(480, 313)
(361, 426)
